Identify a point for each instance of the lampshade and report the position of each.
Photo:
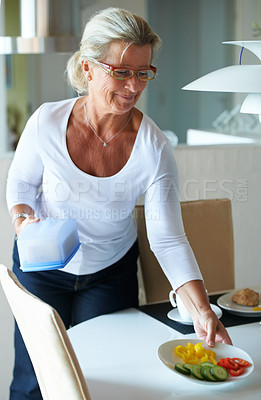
(252, 45)
(236, 79)
(252, 104)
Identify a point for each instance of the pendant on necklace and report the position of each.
(104, 144)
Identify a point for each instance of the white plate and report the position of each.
(175, 316)
(226, 302)
(168, 356)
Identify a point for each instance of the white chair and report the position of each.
(209, 229)
(55, 363)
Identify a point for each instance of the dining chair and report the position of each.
(56, 366)
(209, 229)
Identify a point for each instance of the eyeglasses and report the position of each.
(122, 73)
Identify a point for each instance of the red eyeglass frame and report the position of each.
(110, 68)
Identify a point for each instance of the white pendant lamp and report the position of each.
(236, 79)
(252, 45)
(252, 104)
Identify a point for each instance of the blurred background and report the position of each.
(192, 32)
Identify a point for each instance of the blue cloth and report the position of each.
(77, 299)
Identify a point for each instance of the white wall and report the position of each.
(232, 171)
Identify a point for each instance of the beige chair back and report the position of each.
(56, 366)
(209, 229)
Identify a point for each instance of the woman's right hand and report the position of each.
(21, 223)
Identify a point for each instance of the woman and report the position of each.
(93, 157)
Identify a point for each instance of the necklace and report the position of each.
(114, 136)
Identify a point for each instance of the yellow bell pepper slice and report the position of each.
(200, 351)
(211, 353)
(192, 360)
(190, 346)
(192, 354)
(205, 358)
(180, 351)
(213, 360)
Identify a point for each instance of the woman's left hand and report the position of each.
(206, 324)
(210, 329)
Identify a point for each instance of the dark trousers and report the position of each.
(77, 299)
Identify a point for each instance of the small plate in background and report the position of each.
(228, 304)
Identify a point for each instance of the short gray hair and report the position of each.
(105, 27)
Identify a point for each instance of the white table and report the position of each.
(118, 356)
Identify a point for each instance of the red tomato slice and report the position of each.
(237, 372)
(241, 362)
(231, 364)
(222, 363)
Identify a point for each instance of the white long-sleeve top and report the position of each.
(103, 206)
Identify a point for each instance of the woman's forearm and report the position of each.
(206, 324)
(194, 296)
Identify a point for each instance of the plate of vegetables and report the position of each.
(201, 364)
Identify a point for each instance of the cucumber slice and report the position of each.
(179, 367)
(195, 370)
(219, 373)
(205, 371)
(188, 366)
(207, 363)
